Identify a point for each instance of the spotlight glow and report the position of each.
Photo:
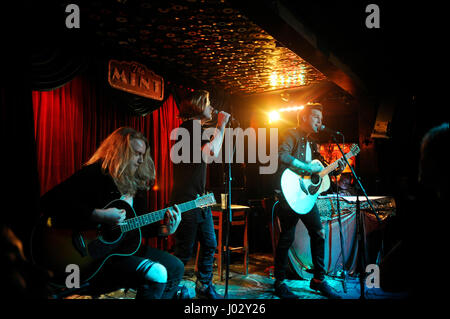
(274, 116)
(291, 108)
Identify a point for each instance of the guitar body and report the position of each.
(301, 191)
(55, 248)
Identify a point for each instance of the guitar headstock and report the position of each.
(205, 200)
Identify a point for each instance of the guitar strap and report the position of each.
(128, 199)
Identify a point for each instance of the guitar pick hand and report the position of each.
(303, 168)
(314, 168)
(111, 216)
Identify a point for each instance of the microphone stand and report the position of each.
(344, 270)
(229, 214)
(360, 228)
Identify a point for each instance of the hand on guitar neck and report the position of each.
(341, 165)
(172, 220)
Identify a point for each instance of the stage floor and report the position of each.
(258, 284)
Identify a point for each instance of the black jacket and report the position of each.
(293, 146)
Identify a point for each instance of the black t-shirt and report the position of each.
(189, 177)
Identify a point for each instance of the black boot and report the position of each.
(324, 288)
(151, 290)
(171, 289)
(206, 291)
(283, 292)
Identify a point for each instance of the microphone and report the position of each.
(215, 112)
(329, 130)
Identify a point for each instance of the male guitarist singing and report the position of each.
(121, 168)
(296, 151)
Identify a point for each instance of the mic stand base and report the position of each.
(344, 281)
(361, 248)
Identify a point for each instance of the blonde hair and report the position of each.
(115, 153)
(194, 104)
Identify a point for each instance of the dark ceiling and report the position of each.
(242, 47)
(210, 41)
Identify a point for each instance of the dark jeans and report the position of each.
(197, 224)
(288, 221)
(121, 271)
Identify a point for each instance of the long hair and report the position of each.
(114, 156)
(193, 104)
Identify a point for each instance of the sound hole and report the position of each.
(315, 179)
(109, 234)
(315, 184)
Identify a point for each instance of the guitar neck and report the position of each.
(153, 217)
(327, 170)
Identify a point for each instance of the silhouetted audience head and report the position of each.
(20, 279)
(433, 160)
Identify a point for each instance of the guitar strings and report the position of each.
(126, 222)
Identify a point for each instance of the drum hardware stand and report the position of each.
(360, 229)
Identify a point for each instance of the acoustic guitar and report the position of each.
(55, 248)
(301, 190)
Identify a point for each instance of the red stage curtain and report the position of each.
(71, 121)
(163, 121)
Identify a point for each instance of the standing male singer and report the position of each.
(296, 151)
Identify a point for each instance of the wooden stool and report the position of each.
(240, 218)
